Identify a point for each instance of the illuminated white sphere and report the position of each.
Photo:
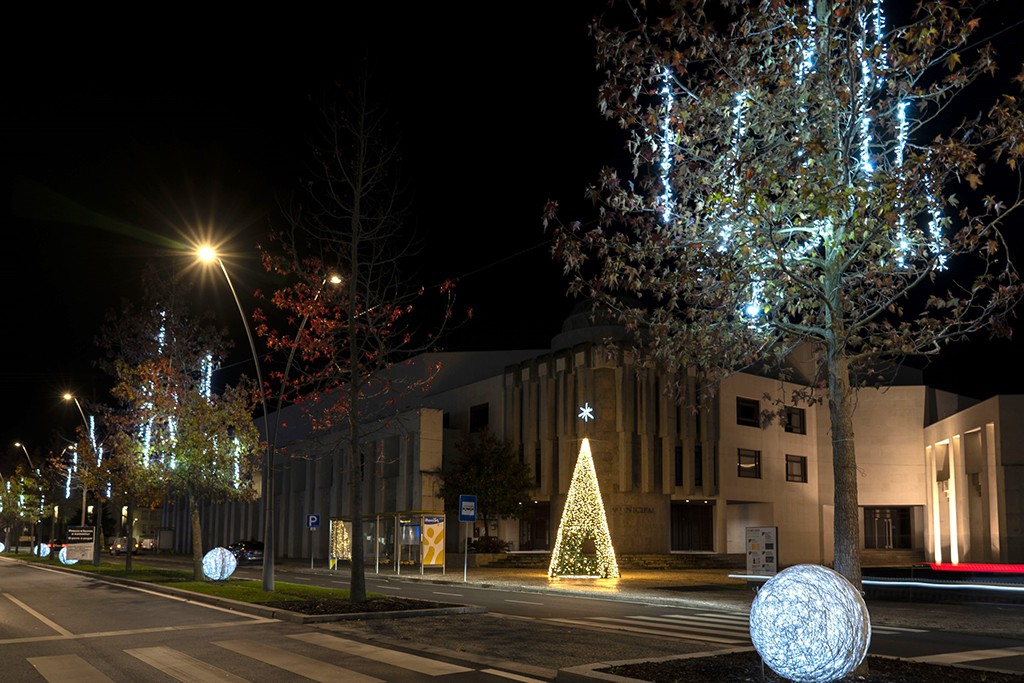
(63, 557)
(810, 624)
(218, 564)
(2, 547)
(42, 550)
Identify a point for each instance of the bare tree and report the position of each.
(353, 314)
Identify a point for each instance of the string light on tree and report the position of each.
(583, 546)
(878, 154)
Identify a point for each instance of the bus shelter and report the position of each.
(397, 541)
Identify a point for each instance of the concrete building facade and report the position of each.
(936, 481)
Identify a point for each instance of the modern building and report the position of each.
(938, 478)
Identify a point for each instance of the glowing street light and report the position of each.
(36, 520)
(85, 422)
(207, 254)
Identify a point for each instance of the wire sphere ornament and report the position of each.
(41, 550)
(63, 557)
(810, 624)
(219, 564)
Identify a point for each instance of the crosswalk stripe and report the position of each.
(297, 664)
(970, 655)
(684, 622)
(404, 660)
(649, 631)
(57, 668)
(182, 667)
(511, 676)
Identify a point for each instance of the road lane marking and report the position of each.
(297, 664)
(182, 667)
(457, 595)
(525, 602)
(58, 668)
(55, 626)
(135, 631)
(404, 660)
(509, 674)
(970, 655)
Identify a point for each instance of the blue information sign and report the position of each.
(467, 508)
(313, 521)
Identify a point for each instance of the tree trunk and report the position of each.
(846, 513)
(130, 530)
(357, 581)
(98, 541)
(197, 540)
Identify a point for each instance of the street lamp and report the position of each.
(207, 254)
(99, 501)
(70, 397)
(334, 280)
(35, 521)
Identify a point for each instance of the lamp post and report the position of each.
(208, 254)
(35, 519)
(334, 280)
(99, 503)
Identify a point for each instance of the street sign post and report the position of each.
(313, 522)
(467, 514)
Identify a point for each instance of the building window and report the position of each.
(795, 423)
(749, 464)
(536, 466)
(748, 412)
(478, 417)
(796, 468)
(888, 528)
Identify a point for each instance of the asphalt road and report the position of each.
(544, 625)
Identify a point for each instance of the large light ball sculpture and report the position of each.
(810, 624)
(2, 547)
(63, 557)
(219, 564)
(42, 550)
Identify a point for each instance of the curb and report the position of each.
(266, 612)
(591, 672)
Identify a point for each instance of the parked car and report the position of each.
(121, 544)
(247, 551)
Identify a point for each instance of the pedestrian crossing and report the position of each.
(281, 655)
(721, 628)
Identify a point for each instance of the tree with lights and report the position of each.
(802, 173)
(350, 319)
(489, 468)
(19, 502)
(583, 545)
(170, 432)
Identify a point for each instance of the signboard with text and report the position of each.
(762, 549)
(81, 542)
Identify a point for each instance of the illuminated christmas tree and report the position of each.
(583, 546)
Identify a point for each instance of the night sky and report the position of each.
(120, 140)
